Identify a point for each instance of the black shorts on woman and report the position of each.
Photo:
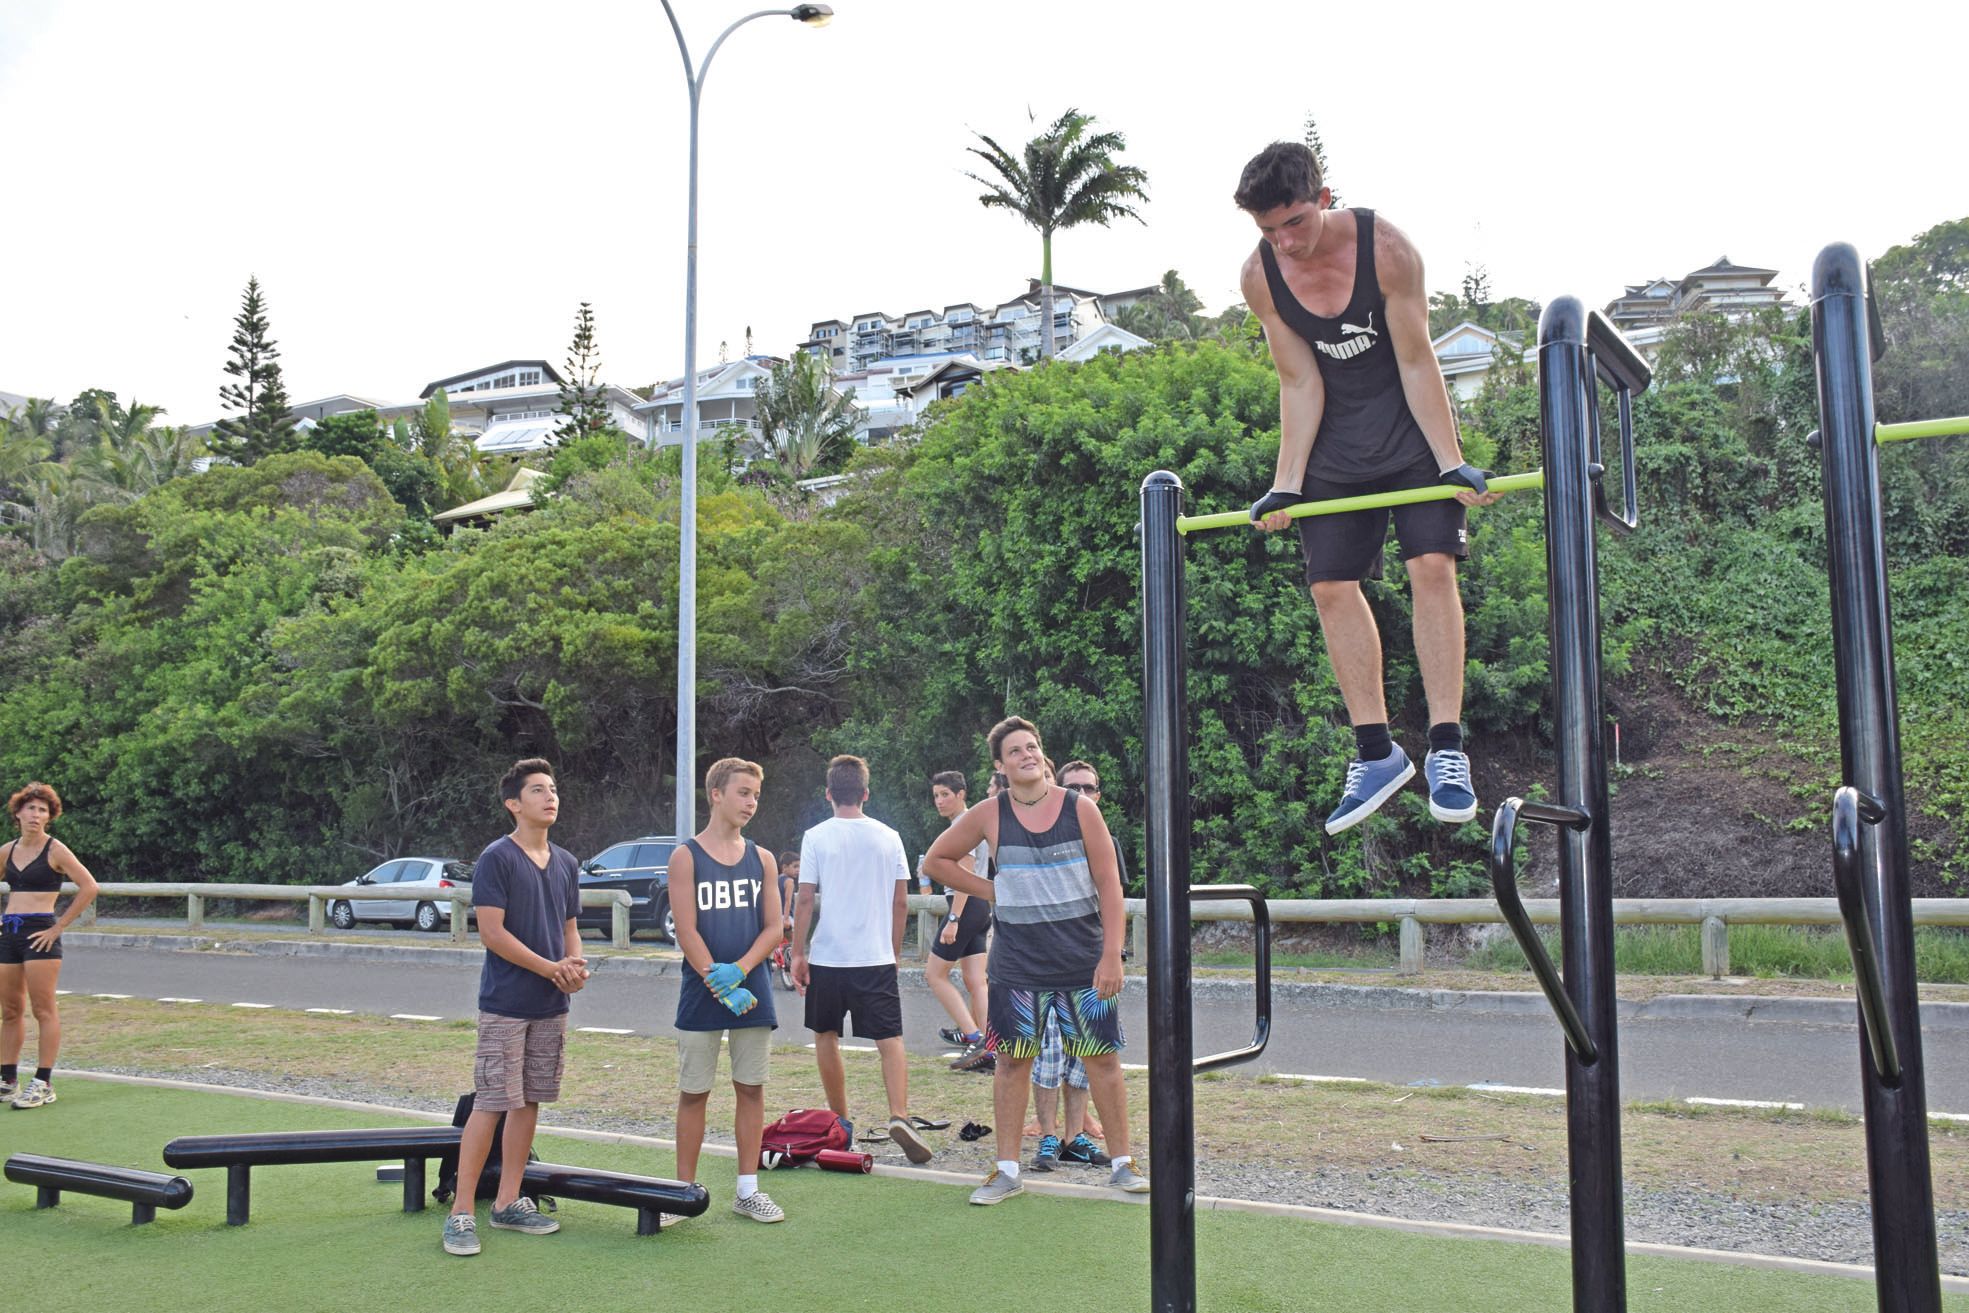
(973, 933)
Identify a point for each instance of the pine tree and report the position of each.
(1318, 148)
(582, 402)
(262, 428)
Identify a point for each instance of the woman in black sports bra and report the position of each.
(34, 867)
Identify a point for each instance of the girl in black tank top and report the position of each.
(1367, 429)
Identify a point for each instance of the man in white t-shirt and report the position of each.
(857, 864)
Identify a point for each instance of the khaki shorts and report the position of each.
(519, 1061)
(697, 1057)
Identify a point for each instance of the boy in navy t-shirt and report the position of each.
(526, 892)
(724, 893)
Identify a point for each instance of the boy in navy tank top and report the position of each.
(1363, 409)
(724, 892)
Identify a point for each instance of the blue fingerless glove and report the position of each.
(739, 1000)
(1275, 500)
(723, 977)
(1467, 476)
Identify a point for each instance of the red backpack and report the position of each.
(800, 1135)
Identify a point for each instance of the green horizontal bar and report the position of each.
(1922, 428)
(1373, 501)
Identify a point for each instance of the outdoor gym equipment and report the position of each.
(145, 1192)
(1869, 811)
(1576, 352)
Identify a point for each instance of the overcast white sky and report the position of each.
(425, 186)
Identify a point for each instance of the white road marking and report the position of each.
(603, 1030)
(1319, 1080)
(331, 1012)
(167, 999)
(1948, 1116)
(110, 996)
(1745, 1103)
(412, 1016)
(1491, 1087)
(258, 1007)
(1134, 1066)
(854, 1048)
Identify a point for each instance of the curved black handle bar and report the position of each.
(1849, 808)
(1261, 920)
(1504, 881)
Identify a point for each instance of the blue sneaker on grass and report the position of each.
(1369, 784)
(1451, 796)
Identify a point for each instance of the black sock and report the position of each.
(10, 1072)
(44, 1073)
(1371, 742)
(1446, 737)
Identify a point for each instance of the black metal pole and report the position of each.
(1599, 1275)
(1906, 1271)
(1172, 1112)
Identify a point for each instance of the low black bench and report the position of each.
(239, 1154)
(145, 1192)
(650, 1196)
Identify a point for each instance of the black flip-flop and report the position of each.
(873, 1137)
(925, 1124)
(973, 1131)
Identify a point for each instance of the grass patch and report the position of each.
(330, 1236)
(1772, 952)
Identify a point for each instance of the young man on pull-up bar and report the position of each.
(1363, 409)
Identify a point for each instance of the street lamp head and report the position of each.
(813, 15)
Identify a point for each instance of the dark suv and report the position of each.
(638, 865)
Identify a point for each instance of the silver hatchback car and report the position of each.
(424, 884)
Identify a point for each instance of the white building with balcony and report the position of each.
(727, 398)
(1735, 291)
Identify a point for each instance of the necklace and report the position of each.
(1033, 802)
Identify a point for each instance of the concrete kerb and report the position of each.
(663, 962)
(1212, 1203)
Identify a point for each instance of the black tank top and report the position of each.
(37, 877)
(1367, 429)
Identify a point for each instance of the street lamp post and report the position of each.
(813, 16)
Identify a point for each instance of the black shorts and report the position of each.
(1348, 546)
(14, 930)
(973, 933)
(870, 994)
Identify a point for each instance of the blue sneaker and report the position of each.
(1369, 784)
(1451, 797)
(1048, 1156)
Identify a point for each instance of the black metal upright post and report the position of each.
(1871, 850)
(1172, 1112)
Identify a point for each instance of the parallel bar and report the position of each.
(1172, 1108)
(1956, 427)
(1906, 1268)
(1371, 502)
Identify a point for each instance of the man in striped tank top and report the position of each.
(1057, 949)
(1363, 409)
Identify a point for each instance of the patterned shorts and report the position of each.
(1053, 1066)
(1090, 1026)
(519, 1061)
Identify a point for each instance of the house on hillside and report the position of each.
(727, 397)
(1735, 291)
(1468, 352)
(517, 496)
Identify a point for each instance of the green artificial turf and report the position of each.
(331, 1237)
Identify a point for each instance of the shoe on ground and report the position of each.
(521, 1215)
(8, 1089)
(1082, 1149)
(910, 1141)
(1048, 1156)
(976, 1058)
(1369, 784)
(34, 1094)
(997, 1188)
(1452, 798)
(759, 1207)
(461, 1234)
(1125, 1177)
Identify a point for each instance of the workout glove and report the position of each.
(1467, 476)
(723, 977)
(1275, 500)
(739, 1000)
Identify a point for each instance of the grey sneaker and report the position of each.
(976, 1058)
(34, 1094)
(8, 1089)
(997, 1187)
(759, 1207)
(521, 1215)
(461, 1234)
(1048, 1156)
(1125, 1177)
(905, 1135)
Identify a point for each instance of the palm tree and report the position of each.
(804, 424)
(125, 466)
(1170, 312)
(1065, 177)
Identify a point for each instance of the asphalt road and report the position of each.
(1781, 1061)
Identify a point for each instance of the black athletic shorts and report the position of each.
(1348, 546)
(14, 932)
(973, 933)
(869, 994)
